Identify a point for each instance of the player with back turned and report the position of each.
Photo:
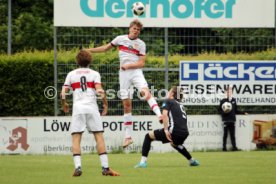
(86, 84)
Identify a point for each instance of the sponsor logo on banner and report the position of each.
(166, 13)
(204, 82)
(18, 136)
(54, 136)
(182, 9)
(214, 71)
(55, 125)
(13, 136)
(45, 135)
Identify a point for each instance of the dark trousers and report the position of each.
(229, 127)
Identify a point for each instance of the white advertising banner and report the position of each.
(51, 135)
(253, 82)
(166, 13)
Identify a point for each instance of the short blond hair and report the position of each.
(137, 23)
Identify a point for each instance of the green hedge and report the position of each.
(23, 79)
(24, 76)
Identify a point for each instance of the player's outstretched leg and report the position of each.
(145, 92)
(154, 107)
(183, 151)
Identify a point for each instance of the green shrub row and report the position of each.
(24, 76)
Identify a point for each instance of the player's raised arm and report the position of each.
(102, 48)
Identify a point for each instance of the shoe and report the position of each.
(109, 172)
(141, 165)
(77, 172)
(194, 163)
(224, 149)
(236, 149)
(127, 142)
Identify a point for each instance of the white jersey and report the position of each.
(82, 81)
(129, 50)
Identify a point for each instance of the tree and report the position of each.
(32, 25)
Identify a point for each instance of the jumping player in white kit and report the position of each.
(86, 84)
(132, 54)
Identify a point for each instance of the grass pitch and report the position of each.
(216, 168)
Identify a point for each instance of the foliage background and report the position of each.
(29, 70)
(25, 75)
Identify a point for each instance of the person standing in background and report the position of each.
(229, 118)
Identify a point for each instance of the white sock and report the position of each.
(191, 160)
(104, 160)
(143, 159)
(154, 106)
(77, 160)
(128, 125)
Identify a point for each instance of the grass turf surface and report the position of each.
(216, 168)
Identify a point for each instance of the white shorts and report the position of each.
(92, 122)
(130, 78)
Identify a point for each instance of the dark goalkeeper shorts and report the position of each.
(177, 139)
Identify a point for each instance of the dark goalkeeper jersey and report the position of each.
(231, 116)
(177, 117)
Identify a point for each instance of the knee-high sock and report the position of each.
(146, 145)
(128, 125)
(182, 150)
(154, 106)
(104, 159)
(77, 160)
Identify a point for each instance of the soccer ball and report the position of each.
(138, 8)
(226, 107)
